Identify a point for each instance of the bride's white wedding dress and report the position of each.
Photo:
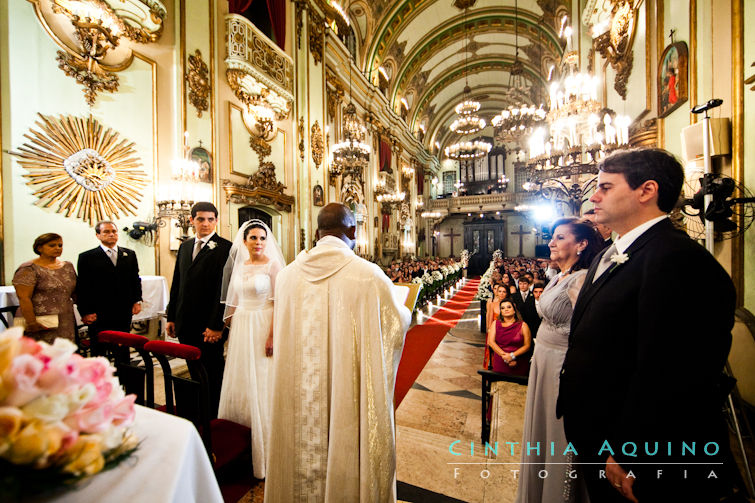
(245, 394)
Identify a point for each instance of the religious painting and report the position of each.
(318, 198)
(201, 156)
(672, 78)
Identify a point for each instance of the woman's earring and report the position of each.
(579, 252)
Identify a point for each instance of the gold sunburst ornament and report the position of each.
(84, 168)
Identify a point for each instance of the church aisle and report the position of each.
(443, 407)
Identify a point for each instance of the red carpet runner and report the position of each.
(422, 340)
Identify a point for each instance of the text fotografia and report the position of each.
(629, 449)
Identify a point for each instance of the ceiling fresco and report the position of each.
(430, 49)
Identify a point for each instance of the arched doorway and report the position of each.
(247, 213)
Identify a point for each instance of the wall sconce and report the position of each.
(182, 193)
(92, 49)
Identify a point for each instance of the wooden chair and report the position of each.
(224, 440)
(134, 378)
(4, 311)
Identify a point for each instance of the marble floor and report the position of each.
(441, 414)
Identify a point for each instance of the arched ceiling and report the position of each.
(431, 48)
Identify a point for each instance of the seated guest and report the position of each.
(525, 304)
(509, 338)
(537, 291)
(604, 231)
(492, 312)
(45, 286)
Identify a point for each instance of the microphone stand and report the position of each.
(708, 172)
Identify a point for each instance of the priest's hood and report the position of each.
(324, 260)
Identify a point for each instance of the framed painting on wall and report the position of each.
(202, 157)
(318, 198)
(672, 78)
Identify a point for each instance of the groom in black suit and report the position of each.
(108, 290)
(644, 362)
(195, 313)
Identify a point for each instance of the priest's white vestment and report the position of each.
(339, 327)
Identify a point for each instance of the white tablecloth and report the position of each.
(171, 465)
(154, 299)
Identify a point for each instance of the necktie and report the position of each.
(197, 246)
(112, 255)
(605, 261)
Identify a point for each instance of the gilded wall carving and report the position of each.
(316, 29)
(197, 77)
(316, 143)
(85, 169)
(615, 45)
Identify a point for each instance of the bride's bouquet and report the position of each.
(62, 417)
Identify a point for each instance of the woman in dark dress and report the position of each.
(45, 286)
(509, 338)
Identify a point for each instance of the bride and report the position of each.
(248, 286)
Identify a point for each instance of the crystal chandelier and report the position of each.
(468, 121)
(468, 149)
(581, 132)
(517, 122)
(352, 154)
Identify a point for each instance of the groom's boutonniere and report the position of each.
(618, 259)
(125, 254)
(211, 245)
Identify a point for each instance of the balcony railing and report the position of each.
(473, 203)
(258, 70)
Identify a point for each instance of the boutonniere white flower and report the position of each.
(211, 245)
(125, 254)
(619, 258)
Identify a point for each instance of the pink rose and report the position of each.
(59, 377)
(91, 419)
(94, 370)
(29, 346)
(123, 411)
(24, 372)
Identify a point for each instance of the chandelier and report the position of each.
(468, 150)
(581, 131)
(352, 154)
(468, 121)
(517, 122)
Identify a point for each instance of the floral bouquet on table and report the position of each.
(62, 417)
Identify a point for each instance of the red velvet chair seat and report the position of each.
(123, 338)
(227, 440)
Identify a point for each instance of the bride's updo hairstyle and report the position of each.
(254, 226)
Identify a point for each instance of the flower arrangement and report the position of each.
(483, 292)
(62, 417)
(437, 276)
(498, 254)
(464, 258)
(427, 279)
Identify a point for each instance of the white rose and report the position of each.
(49, 409)
(81, 396)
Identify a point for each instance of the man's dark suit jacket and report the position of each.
(646, 349)
(108, 290)
(528, 311)
(195, 292)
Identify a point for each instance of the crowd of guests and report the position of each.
(405, 270)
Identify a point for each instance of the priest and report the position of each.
(339, 331)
